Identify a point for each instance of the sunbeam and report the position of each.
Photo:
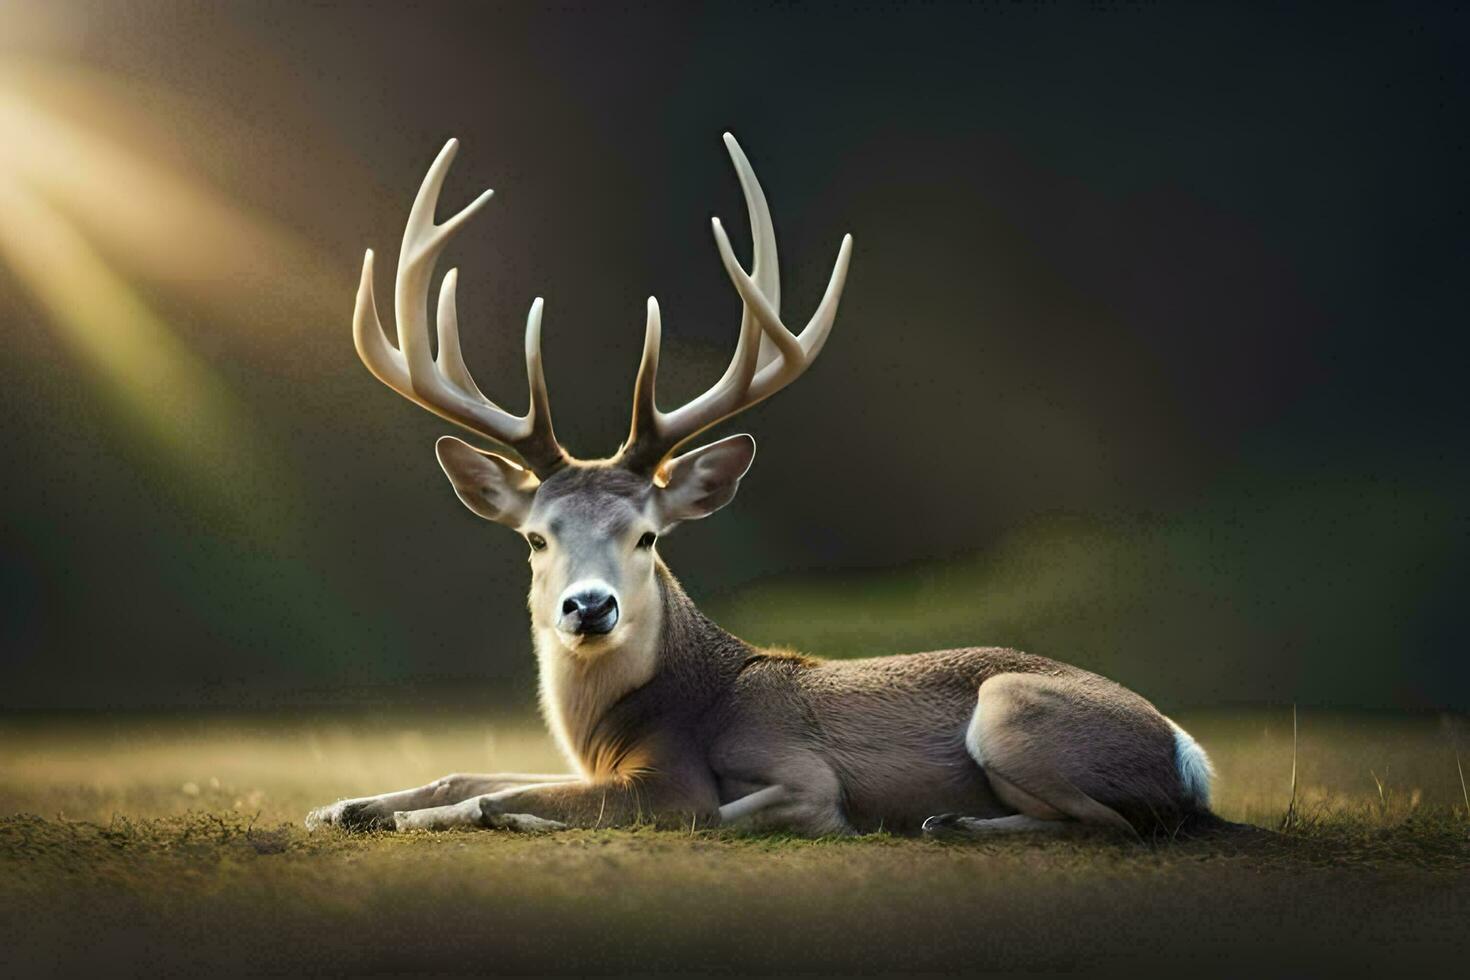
(161, 385)
(167, 226)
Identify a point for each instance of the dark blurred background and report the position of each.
(1151, 355)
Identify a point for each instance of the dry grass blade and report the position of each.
(1382, 799)
(1289, 819)
(1463, 792)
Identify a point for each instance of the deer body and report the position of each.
(665, 717)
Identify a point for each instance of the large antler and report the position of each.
(768, 357)
(444, 386)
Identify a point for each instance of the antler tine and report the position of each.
(384, 360)
(767, 358)
(764, 266)
(540, 443)
(645, 412)
(451, 359)
(796, 352)
(444, 385)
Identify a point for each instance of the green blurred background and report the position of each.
(1151, 356)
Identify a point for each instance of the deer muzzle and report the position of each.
(588, 611)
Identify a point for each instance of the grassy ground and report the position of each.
(175, 846)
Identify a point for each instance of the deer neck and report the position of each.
(578, 688)
(679, 648)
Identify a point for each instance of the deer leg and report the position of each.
(661, 800)
(474, 812)
(804, 796)
(1062, 748)
(752, 803)
(376, 812)
(956, 825)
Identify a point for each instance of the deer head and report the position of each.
(592, 525)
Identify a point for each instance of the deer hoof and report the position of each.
(944, 825)
(526, 823)
(349, 815)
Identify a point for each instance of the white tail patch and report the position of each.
(1195, 770)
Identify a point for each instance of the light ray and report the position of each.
(167, 226)
(158, 382)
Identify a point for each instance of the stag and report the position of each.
(665, 717)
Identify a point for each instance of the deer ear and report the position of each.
(490, 485)
(703, 480)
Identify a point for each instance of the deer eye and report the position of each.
(647, 540)
(537, 542)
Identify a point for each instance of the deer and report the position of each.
(665, 718)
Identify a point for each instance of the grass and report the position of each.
(175, 846)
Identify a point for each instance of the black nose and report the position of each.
(592, 611)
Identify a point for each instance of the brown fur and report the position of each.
(857, 745)
(865, 744)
